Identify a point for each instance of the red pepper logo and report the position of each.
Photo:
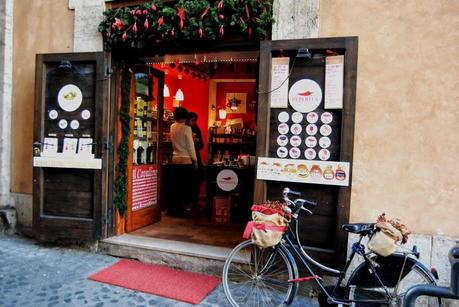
(226, 178)
(307, 93)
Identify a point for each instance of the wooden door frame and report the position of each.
(350, 47)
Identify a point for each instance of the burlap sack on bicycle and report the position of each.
(383, 242)
(264, 236)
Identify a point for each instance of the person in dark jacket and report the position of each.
(198, 145)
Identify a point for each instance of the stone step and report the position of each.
(180, 255)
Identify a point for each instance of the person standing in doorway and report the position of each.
(198, 145)
(184, 162)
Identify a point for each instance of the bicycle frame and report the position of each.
(306, 260)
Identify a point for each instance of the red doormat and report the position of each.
(159, 280)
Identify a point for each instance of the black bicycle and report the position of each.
(254, 276)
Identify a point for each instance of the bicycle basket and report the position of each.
(269, 223)
(384, 241)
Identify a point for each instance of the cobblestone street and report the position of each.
(32, 274)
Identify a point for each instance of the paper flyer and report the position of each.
(334, 74)
(279, 82)
(49, 147)
(304, 171)
(70, 146)
(85, 146)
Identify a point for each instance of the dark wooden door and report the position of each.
(144, 170)
(71, 109)
(321, 231)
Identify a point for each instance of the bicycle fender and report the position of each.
(388, 270)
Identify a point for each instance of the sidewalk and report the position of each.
(32, 274)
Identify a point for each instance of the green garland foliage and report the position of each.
(121, 186)
(157, 22)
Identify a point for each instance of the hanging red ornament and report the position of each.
(249, 32)
(205, 13)
(200, 33)
(221, 17)
(132, 12)
(220, 5)
(118, 24)
(181, 15)
(222, 31)
(134, 27)
(146, 24)
(145, 12)
(160, 21)
(139, 12)
(154, 8)
(172, 33)
(124, 36)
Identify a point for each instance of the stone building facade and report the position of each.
(405, 153)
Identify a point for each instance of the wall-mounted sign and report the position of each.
(53, 114)
(283, 117)
(69, 97)
(334, 69)
(305, 95)
(297, 117)
(279, 82)
(85, 114)
(227, 180)
(144, 186)
(304, 171)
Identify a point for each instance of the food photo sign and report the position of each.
(304, 171)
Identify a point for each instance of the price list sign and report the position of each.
(144, 186)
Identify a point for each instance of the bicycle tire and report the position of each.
(413, 274)
(246, 285)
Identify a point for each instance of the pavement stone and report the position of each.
(33, 274)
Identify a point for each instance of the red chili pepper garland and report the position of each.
(158, 21)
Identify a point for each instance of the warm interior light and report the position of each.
(166, 92)
(222, 113)
(179, 95)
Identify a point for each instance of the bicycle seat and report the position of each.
(359, 228)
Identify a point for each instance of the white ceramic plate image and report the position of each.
(69, 97)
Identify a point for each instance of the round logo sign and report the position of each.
(283, 117)
(312, 117)
(311, 141)
(324, 142)
(63, 124)
(282, 140)
(282, 152)
(325, 130)
(283, 128)
(69, 97)
(296, 129)
(227, 180)
(311, 129)
(295, 141)
(297, 117)
(53, 114)
(74, 124)
(310, 153)
(294, 153)
(305, 95)
(324, 154)
(326, 117)
(85, 114)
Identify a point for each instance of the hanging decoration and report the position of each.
(121, 187)
(185, 21)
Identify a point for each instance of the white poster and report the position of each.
(304, 171)
(70, 146)
(49, 147)
(279, 82)
(85, 146)
(334, 70)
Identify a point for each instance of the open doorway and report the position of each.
(220, 89)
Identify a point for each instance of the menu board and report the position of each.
(306, 132)
(305, 171)
(144, 186)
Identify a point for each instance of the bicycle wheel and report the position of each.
(397, 284)
(254, 276)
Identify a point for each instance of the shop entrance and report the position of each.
(220, 90)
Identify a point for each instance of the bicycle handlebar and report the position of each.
(297, 203)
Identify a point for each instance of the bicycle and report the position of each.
(254, 276)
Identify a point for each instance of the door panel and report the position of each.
(321, 230)
(67, 199)
(146, 135)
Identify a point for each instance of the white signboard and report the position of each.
(85, 146)
(334, 70)
(227, 180)
(305, 95)
(304, 171)
(279, 82)
(70, 146)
